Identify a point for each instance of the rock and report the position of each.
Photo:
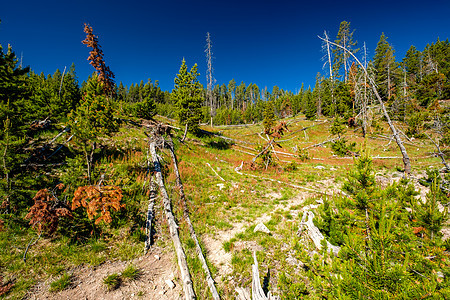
(157, 257)
(333, 169)
(261, 228)
(319, 167)
(221, 186)
(170, 283)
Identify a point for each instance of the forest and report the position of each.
(230, 190)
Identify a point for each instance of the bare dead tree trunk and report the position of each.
(209, 74)
(173, 227)
(62, 79)
(202, 259)
(185, 133)
(333, 100)
(406, 160)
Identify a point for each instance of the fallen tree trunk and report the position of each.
(173, 227)
(237, 170)
(320, 144)
(202, 259)
(150, 215)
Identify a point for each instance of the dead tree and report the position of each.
(209, 278)
(328, 49)
(406, 160)
(209, 73)
(257, 290)
(173, 227)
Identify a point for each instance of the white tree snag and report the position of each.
(150, 215)
(406, 160)
(439, 153)
(202, 259)
(257, 291)
(173, 227)
(314, 233)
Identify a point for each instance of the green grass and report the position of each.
(112, 281)
(62, 283)
(130, 273)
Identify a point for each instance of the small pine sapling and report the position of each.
(428, 214)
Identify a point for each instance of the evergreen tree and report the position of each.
(386, 68)
(92, 119)
(187, 95)
(269, 117)
(341, 57)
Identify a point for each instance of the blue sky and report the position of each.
(265, 42)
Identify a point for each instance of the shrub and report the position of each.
(112, 281)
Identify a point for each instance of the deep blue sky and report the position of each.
(265, 42)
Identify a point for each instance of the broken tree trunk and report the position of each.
(209, 278)
(257, 291)
(173, 227)
(314, 233)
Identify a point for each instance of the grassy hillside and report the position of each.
(227, 196)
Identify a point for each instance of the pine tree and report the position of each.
(92, 119)
(386, 68)
(341, 57)
(269, 117)
(187, 95)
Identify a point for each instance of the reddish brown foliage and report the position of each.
(5, 287)
(105, 75)
(1, 225)
(101, 200)
(46, 211)
(351, 122)
(419, 231)
(278, 130)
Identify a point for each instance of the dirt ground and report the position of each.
(156, 267)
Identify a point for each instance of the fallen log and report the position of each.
(173, 227)
(202, 259)
(237, 170)
(320, 144)
(264, 150)
(150, 216)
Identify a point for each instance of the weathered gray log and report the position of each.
(173, 227)
(209, 278)
(257, 291)
(150, 215)
(320, 144)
